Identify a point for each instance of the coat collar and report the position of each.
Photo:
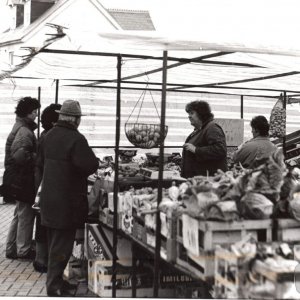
(27, 123)
(65, 124)
(206, 122)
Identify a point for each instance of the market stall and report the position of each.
(152, 225)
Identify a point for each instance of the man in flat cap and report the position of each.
(67, 161)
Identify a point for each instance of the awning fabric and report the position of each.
(242, 48)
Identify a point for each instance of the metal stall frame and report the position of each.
(164, 90)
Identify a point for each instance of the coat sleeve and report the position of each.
(39, 165)
(22, 148)
(83, 157)
(245, 154)
(216, 148)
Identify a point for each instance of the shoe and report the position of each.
(67, 286)
(30, 255)
(60, 293)
(56, 293)
(39, 267)
(11, 255)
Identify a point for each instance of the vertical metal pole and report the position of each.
(160, 175)
(133, 271)
(56, 91)
(39, 112)
(116, 187)
(284, 137)
(242, 107)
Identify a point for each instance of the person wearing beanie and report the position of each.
(66, 160)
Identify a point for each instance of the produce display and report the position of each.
(268, 191)
(261, 193)
(278, 120)
(252, 270)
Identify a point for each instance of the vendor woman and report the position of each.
(204, 151)
(255, 151)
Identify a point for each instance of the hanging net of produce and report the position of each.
(278, 119)
(144, 135)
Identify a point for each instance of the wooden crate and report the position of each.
(278, 278)
(201, 266)
(102, 216)
(139, 231)
(110, 220)
(168, 246)
(211, 234)
(168, 236)
(230, 274)
(286, 230)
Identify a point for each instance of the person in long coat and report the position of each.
(48, 118)
(18, 178)
(67, 161)
(204, 151)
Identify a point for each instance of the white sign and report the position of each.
(190, 233)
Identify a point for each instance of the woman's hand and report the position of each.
(189, 147)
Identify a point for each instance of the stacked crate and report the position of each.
(212, 233)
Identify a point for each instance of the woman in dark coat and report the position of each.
(48, 118)
(204, 151)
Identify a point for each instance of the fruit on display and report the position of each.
(278, 120)
(144, 135)
(127, 171)
(126, 155)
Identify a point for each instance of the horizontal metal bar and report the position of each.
(249, 79)
(179, 91)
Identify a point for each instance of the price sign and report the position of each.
(190, 232)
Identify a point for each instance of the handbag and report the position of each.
(18, 183)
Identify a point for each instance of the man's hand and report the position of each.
(189, 147)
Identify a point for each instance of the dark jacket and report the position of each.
(211, 151)
(67, 161)
(20, 153)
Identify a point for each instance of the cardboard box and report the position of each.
(96, 244)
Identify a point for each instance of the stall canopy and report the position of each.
(232, 47)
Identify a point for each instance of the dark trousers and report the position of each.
(60, 246)
(41, 246)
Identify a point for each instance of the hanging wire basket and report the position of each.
(144, 135)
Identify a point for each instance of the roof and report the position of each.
(132, 19)
(23, 34)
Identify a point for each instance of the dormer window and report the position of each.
(26, 12)
(20, 15)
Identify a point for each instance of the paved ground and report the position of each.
(18, 277)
